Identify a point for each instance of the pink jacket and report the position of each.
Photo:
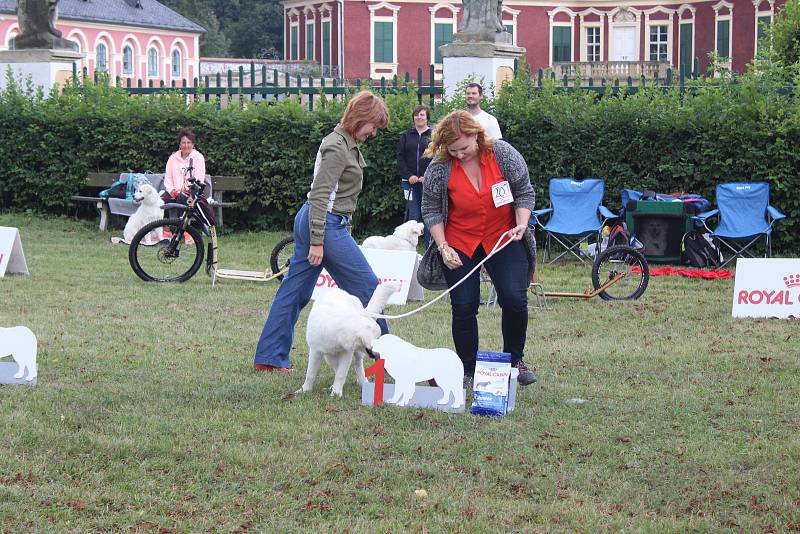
(176, 177)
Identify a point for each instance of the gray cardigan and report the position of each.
(514, 169)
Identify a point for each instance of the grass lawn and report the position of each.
(148, 415)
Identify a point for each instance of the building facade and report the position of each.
(140, 40)
(374, 38)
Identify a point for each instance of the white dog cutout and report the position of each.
(338, 329)
(20, 343)
(409, 364)
(149, 210)
(405, 237)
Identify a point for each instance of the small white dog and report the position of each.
(149, 210)
(409, 364)
(20, 343)
(339, 328)
(405, 237)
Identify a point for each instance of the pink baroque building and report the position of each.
(374, 38)
(131, 39)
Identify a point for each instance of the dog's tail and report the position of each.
(381, 296)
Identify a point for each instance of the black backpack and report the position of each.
(699, 250)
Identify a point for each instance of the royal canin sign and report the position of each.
(767, 287)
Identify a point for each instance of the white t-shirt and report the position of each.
(489, 124)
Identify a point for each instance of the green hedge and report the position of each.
(650, 140)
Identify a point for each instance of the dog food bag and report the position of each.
(490, 384)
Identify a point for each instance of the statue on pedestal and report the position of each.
(482, 21)
(37, 23)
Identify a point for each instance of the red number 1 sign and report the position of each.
(377, 370)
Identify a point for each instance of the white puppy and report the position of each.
(405, 237)
(149, 210)
(339, 328)
(20, 343)
(409, 364)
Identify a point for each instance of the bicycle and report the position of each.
(180, 250)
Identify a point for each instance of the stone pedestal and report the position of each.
(491, 62)
(45, 68)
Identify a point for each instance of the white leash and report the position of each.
(497, 248)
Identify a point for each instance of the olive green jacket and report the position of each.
(338, 176)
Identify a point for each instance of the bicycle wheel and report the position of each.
(281, 254)
(170, 258)
(618, 260)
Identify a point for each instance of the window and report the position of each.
(592, 44)
(723, 38)
(176, 64)
(127, 61)
(309, 42)
(763, 23)
(562, 43)
(510, 29)
(443, 34)
(326, 43)
(12, 43)
(294, 42)
(152, 62)
(384, 34)
(685, 54)
(658, 43)
(101, 62)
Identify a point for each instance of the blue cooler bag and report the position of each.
(490, 386)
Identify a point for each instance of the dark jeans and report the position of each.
(508, 270)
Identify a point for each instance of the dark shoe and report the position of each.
(467, 382)
(526, 376)
(432, 383)
(270, 368)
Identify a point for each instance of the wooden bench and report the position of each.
(103, 180)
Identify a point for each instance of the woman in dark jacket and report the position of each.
(412, 164)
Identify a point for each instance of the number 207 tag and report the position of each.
(501, 194)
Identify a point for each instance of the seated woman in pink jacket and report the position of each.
(176, 176)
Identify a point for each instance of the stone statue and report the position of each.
(37, 23)
(482, 21)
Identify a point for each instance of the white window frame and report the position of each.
(150, 74)
(692, 10)
(758, 14)
(310, 15)
(668, 22)
(172, 73)
(373, 18)
(584, 56)
(513, 22)
(106, 68)
(131, 72)
(11, 34)
(325, 16)
(585, 42)
(294, 21)
(106, 40)
(722, 4)
(448, 19)
(613, 25)
(571, 25)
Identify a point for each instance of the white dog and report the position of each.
(338, 329)
(20, 343)
(149, 210)
(405, 237)
(409, 364)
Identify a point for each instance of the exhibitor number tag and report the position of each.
(501, 194)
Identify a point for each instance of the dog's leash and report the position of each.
(497, 248)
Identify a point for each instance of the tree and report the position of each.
(784, 35)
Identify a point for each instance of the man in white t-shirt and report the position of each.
(473, 95)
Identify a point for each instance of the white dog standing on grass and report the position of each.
(149, 210)
(339, 328)
(405, 237)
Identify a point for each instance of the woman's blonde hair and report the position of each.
(364, 107)
(449, 129)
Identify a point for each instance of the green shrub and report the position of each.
(742, 130)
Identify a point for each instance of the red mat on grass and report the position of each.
(691, 273)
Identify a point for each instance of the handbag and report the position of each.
(430, 272)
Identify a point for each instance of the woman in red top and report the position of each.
(476, 189)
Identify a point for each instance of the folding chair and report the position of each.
(745, 217)
(575, 214)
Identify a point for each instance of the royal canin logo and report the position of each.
(771, 296)
(793, 280)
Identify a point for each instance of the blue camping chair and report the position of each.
(575, 214)
(745, 217)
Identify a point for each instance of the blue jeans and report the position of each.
(413, 194)
(344, 262)
(508, 270)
